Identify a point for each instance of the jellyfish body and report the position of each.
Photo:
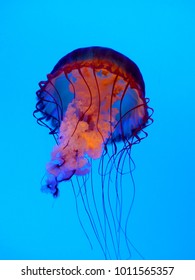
(93, 102)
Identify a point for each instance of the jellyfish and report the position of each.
(93, 103)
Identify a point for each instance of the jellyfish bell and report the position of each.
(93, 99)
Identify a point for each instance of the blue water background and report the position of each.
(159, 36)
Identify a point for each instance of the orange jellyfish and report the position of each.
(94, 105)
